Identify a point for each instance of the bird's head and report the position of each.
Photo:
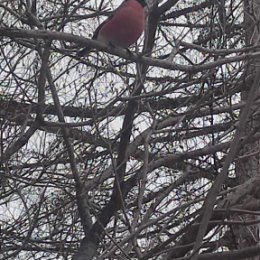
(142, 2)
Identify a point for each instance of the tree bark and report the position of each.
(247, 165)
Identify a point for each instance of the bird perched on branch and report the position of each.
(123, 28)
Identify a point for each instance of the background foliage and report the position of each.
(112, 156)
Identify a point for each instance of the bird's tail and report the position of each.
(84, 52)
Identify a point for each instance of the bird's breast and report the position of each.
(125, 27)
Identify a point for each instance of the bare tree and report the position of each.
(147, 153)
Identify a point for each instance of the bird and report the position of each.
(122, 28)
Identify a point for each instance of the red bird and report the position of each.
(123, 27)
